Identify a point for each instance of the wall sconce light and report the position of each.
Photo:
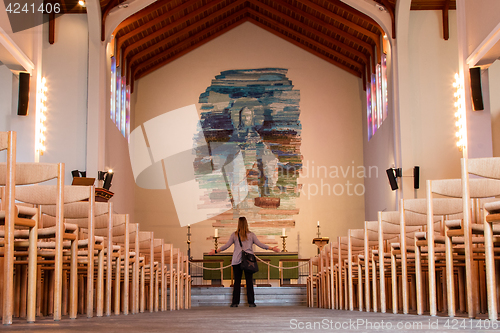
(40, 119)
(81, 3)
(461, 133)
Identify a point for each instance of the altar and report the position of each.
(286, 258)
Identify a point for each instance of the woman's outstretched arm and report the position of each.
(223, 247)
(257, 242)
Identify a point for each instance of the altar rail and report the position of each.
(285, 269)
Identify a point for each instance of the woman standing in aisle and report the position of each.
(247, 239)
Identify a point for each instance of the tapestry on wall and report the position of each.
(250, 123)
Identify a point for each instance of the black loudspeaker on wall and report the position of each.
(416, 177)
(391, 175)
(475, 87)
(24, 94)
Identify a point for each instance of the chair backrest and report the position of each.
(121, 230)
(478, 187)
(34, 173)
(485, 167)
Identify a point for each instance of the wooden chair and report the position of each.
(430, 240)
(370, 241)
(146, 249)
(126, 235)
(34, 173)
(466, 235)
(83, 214)
(13, 217)
(95, 220)
(120, 237)
(488, 168)
(412, 222)
(388, 231)
(169, 278)
(355, 247)
(342, 280)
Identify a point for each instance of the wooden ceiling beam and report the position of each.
(141, 14)
(431, 5)
(187, 29)
(185, 51)
(159, 19)
(312, 18)
(446, 23)
(369, 34)
(181, 21)
(189, 40)
(307, 39)
(340, 19)
(357, 14)
(302, 46)
(52, 28)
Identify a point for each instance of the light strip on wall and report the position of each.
(40, 118)
(461, 124)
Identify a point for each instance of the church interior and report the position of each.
(359, 139)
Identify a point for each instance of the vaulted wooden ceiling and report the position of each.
(329, 29)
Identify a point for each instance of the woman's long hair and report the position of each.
(242, 229)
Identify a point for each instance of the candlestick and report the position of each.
(284, 243)
(319, 234)
(189, 244)
(216, 243)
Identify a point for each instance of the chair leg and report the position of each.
(23, 285)
(374, 286)
(100, 284)
(65, 286)
(73, 283)
(490, 271)
(90, 285)
(450, 277)
(394, 284)
(32, 275)
(142, 296)
(418, 280)
(8, 280)
(117, 285)
(157, 298)
(461, 289)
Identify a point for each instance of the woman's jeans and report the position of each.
(238, 272)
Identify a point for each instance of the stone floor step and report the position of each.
(270, 296)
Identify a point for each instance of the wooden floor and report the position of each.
(259, 319)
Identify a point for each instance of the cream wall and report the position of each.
(429, 122)
(6, 97)
(494, 93)
(65, 68)
(330, 104)
(481, 18)
(433, 64)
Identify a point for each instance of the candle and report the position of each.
(216, 233)
(318, 223)
(283, 232)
